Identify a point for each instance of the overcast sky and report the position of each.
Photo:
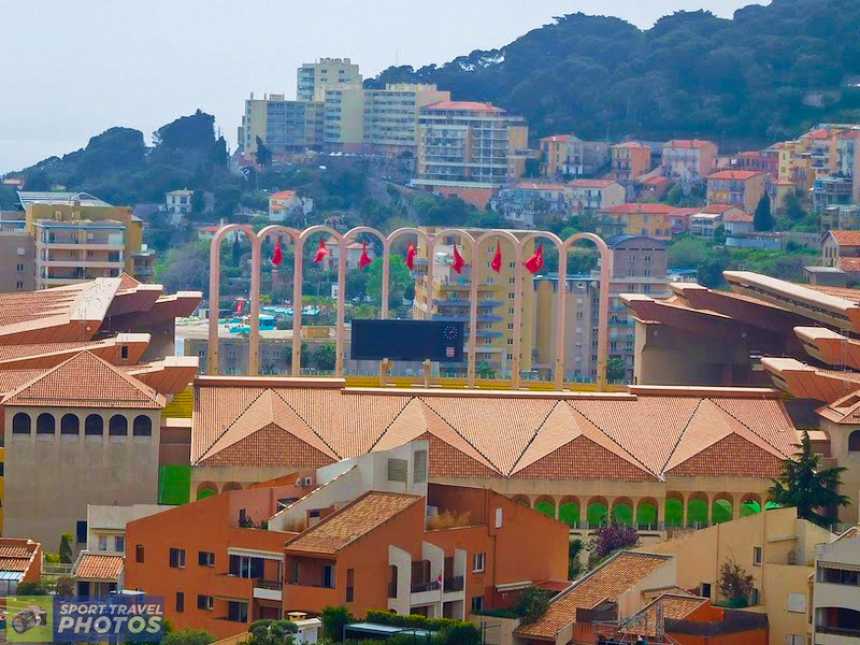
(73, 68)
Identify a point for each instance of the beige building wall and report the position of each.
(775, 547)
(850, 460)
(254, 124)
(313, 79)
(17, 262)
(50, 478)
(344, 116)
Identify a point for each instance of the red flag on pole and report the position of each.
(322, 252)
(458, 262)
(535, 262)
(364, 261)
(411, 251)
(496, 264)
(277, 254)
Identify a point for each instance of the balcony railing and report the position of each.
(454, 583)
(852, 632)
(274, 585)
(431, 585)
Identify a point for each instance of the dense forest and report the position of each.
(758, 78)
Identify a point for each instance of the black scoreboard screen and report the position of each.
(407, 340)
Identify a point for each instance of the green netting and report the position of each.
(203, 493)
(697, 512)
(174, 484)
(750, 508)
(546, 507)
(674, 512)
(597, 513)
(622, 514)
(569, 513)
(646, 514)
(721, 511)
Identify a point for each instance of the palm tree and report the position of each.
(805, 485)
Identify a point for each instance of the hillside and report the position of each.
(757, 78)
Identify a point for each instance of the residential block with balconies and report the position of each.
(836, 591)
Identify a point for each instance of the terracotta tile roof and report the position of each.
(536, 185)
(850, 265)
(16, 551)
(8, 352)
(656, 180)
(11, 380)
(607, 582)
(85, 380)
(464, 106)
(741, 217)
(674, 606)
(284, 194)
(735, 175)
(688, 143)
(352, 522)
(592, 183)
(545, 436)
(717, 209)
(16, 554)
(98, 566)
(648, 208)
(846, 238)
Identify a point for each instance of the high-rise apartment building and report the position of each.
(639, 266)
(17, 254)
(469, 149)
(79, 237)
(447, 298)
(313, 79)
(343, 126)
(391, 115)
(281, 124)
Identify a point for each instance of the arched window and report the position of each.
(45, 424)
(69, 424)
(118, 426)
(21, 423)
(142, 426)
(93, 425)
(854, 441)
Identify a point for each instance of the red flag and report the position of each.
(240, 306)
(496, 264)
(364, 261)
(278, 254)
(411, 251)
(535, 262)
(322, 252)
(459, 262)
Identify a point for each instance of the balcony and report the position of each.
(269, 590)
(421, 586)
(454, 583)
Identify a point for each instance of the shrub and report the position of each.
(448, 519)
(188, 637)
(334, 619)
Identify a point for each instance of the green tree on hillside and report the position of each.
(264, 155)
(809, 487)
(763, 219)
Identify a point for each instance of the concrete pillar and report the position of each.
(557, 502)
(684, 498)
(661, 513)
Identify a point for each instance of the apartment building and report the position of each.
(659, 221)
(373, 534)
(566, 156)
(447, 298)
(639, 266)
(17, 254)
(689, 159)
(592, 195)
(469, 149)
(525, 202)
(282, 125)
(391, 116)
(343, 120)
(630, 160)
(836, 591)
(775, 547)
(313, 79)
(741, 188)
(79, 238)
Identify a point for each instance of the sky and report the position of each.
(74, 69)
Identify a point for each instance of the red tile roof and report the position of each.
(355, 520)
(546, 436)
(674, 606)
(17, 555)
(846, 238)
(716, 209)
(592, 183)
(648, 208)
(688, 143)
(464, 106)
(735, 175)
(101, 567)
(284, 194)
(741, 217)
(85, 380)
(606, 583)
(850, 265)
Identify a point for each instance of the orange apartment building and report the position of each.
(741, 188)
(689, 158)
(659, 221)
(630, 160)
(226, 560)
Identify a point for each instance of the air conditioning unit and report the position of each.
(306, 481)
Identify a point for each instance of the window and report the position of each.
(350, 585)
(499, 517)
(237, 611)
(81, 531)
(118, 426)
(420, 466)
(142, 426)
(854, 441)
(705, 590)
(180, 601)
(70, 424)
(397, 470)
(93, 425)
(328, 576)
(757, 555)
(21, 423)
(123, 352)
(797, 603)
(138, 553)
(119, 543)
(795, 639)
(205, 603)
(45, 423)
(206, 558)
(478, 562)
(103, 543)
(477, 604)
(177, 558)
